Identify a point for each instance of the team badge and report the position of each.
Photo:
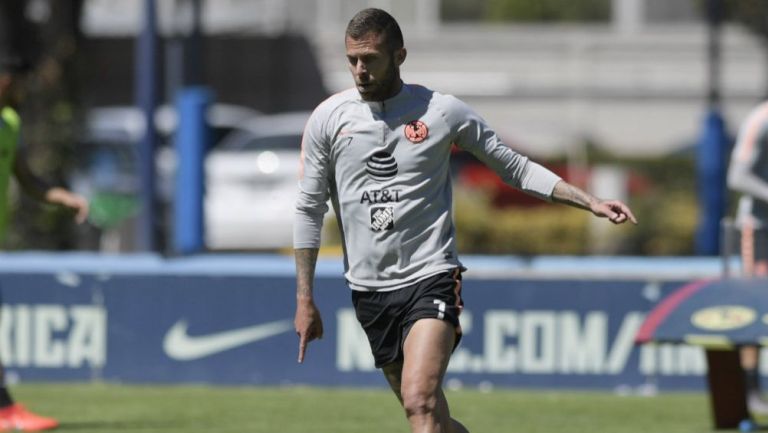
(723, 318)
(416, 131)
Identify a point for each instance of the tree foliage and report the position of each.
(527, 10)
(549, 10)
(753, 14)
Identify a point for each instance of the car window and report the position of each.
(274, 142)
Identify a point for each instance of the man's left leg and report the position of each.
(426, 352)
(393, 373)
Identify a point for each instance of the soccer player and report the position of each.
(380, 152)
(748, 175)
(14, 416)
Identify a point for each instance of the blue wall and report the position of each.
(551, 322)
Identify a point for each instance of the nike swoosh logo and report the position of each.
(181, 346)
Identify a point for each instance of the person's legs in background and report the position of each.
(14, 416)
(754, 258)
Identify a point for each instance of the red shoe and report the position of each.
(18, 418)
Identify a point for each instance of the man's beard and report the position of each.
(383, 88)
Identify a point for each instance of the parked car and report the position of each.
(107, 174)
(252, 184)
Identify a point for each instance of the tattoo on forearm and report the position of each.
(569, 194)
(306, 259)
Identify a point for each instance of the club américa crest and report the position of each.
(416, 131)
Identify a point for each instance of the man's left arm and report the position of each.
(616, 211)
(474, 135)
(41, 191)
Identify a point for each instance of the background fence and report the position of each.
(546, 322)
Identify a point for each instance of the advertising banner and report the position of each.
(238, 329)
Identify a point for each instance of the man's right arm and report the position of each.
(311, 205)
(308, 323)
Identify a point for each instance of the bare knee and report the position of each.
(417, 402)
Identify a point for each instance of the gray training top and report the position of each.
(385, 167)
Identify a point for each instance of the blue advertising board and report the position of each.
(156, 323)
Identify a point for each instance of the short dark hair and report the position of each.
(376, 21)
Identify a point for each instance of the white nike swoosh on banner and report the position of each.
(179, 345)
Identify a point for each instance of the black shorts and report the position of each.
(387, 317)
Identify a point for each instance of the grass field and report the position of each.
(104, 408)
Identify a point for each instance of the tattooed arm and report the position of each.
(616, 211)
(306, 259)
(308, 323)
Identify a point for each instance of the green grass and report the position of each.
(101, 408)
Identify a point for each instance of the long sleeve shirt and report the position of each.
(748, 171)
(385, 167)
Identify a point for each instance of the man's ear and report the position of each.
(400, 55)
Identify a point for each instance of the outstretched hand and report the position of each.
(308, 324)
(616, 211)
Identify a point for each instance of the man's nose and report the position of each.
(361, 69)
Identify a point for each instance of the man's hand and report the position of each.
(69, 200)
(308, 323)
(616, 211)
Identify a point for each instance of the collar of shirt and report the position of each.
(388, 104)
